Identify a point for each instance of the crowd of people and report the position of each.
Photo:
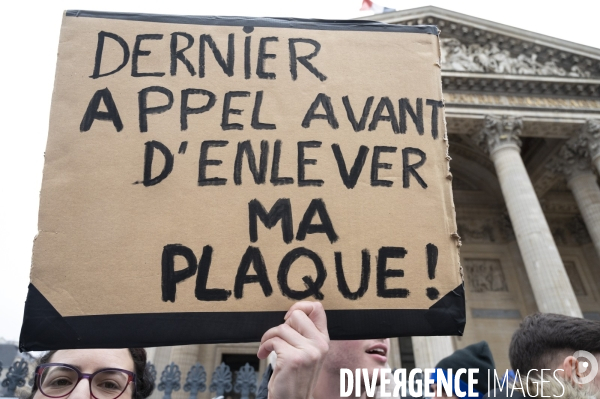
(542, 355)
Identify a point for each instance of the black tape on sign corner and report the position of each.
(45, 329)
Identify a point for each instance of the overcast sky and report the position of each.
(30, 32)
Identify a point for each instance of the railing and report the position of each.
(221, 383)
(15, 377)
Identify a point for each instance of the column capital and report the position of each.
(500, 131)
(572, 159)
(591, 131)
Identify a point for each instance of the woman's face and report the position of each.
(89, 361)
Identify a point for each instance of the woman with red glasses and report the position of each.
(109, 374)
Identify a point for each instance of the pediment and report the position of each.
(474, 45)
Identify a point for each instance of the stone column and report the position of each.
(551, 286)
(591, 132)
(429, 351)
(394, 354)
(573, 161)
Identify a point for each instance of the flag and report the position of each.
(368, 5)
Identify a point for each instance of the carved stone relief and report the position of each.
(470, 232)
(506, 228)
(559, 207)
(499, 130)
(496, 229)
(487, 83)
(575, 278)
(545, 182)
(591, 132)
(508, 101)
(490, 58)
(471, 126)
(578, 230)
(469, 35)
(463, 126)
(569, 231)
(572, 158)
(484, 275)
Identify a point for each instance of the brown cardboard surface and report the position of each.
(102, 233)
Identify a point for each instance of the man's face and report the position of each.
(359, 354)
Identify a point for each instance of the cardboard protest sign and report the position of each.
(204, 173)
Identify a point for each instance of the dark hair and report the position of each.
(144, 383)
(542, 337)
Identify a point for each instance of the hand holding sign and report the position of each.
(301, 344)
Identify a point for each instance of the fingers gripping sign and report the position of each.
(301, 344)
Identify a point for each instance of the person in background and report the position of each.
(476, 356)
(301, 344)
(355, 354)
(109, 374)
(308, 364)
(549, 341)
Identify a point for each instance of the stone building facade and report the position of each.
(523, 119)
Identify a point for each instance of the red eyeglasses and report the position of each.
(57, 380)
